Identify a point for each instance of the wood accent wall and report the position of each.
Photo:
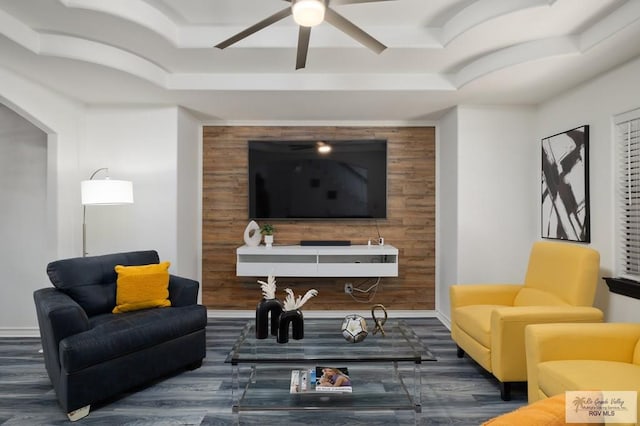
(410, 223)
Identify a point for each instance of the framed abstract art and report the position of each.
(565, 185)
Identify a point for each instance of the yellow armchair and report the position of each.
(488, 320)
(574, 357)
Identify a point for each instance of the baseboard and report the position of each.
(212, 313)
(19, 332)
(446, 321)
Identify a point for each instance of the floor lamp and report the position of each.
(102, 192)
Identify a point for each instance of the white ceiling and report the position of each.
(440, 53)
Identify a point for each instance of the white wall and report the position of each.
(497, 192)
(189, 202)
(23, 185)
(446, 208)
(493, 174)
(140, 145)
(60, 236)
(61, 119)
(595, 104)
(158, 149)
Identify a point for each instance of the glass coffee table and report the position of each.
(384, 370)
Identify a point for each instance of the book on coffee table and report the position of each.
(320, 379)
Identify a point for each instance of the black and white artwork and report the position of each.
(565, 185)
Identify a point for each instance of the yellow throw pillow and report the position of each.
(142, 287)
(545, 412)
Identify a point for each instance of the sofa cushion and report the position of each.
(535, 297)
(548, 412)
(142, 287)
(91, 281)
(475, 320)
(556, 377)
(112, 336)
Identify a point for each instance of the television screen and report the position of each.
(318, 180)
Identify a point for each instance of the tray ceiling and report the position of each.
(440, 53)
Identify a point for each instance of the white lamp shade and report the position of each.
(308, 13)
(106, 191)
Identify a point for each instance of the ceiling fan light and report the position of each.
(308, 13)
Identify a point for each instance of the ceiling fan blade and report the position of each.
(339, 2)
(303, 46)
(349, 28)
(255, 28)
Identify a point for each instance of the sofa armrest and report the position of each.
(59, 316)
(483, 294)
(507, 333)
(604, 341)
(183, 291)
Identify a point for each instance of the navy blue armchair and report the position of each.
(92, 354)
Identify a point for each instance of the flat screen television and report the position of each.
(342, 179)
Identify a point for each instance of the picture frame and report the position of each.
(565, 186)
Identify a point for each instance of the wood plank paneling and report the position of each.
(410, 223)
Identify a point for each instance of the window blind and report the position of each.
(628, 193)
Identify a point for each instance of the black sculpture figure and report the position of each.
(295, 318)
(264, 308)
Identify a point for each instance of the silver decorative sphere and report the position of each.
(354, 328)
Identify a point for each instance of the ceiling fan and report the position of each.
(307, 14)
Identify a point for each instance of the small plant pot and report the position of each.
(268, 240)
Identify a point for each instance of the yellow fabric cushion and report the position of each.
(548, 412)
(475, 320)
(142, 287)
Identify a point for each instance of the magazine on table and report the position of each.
(320, 379)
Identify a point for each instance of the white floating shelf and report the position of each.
(317, 261)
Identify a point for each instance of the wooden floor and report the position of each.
(455, 391)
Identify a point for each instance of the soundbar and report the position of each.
(325, 243)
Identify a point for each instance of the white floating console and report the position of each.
(314, 261)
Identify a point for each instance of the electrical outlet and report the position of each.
(348, 288)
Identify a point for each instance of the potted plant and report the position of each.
(267, 230)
